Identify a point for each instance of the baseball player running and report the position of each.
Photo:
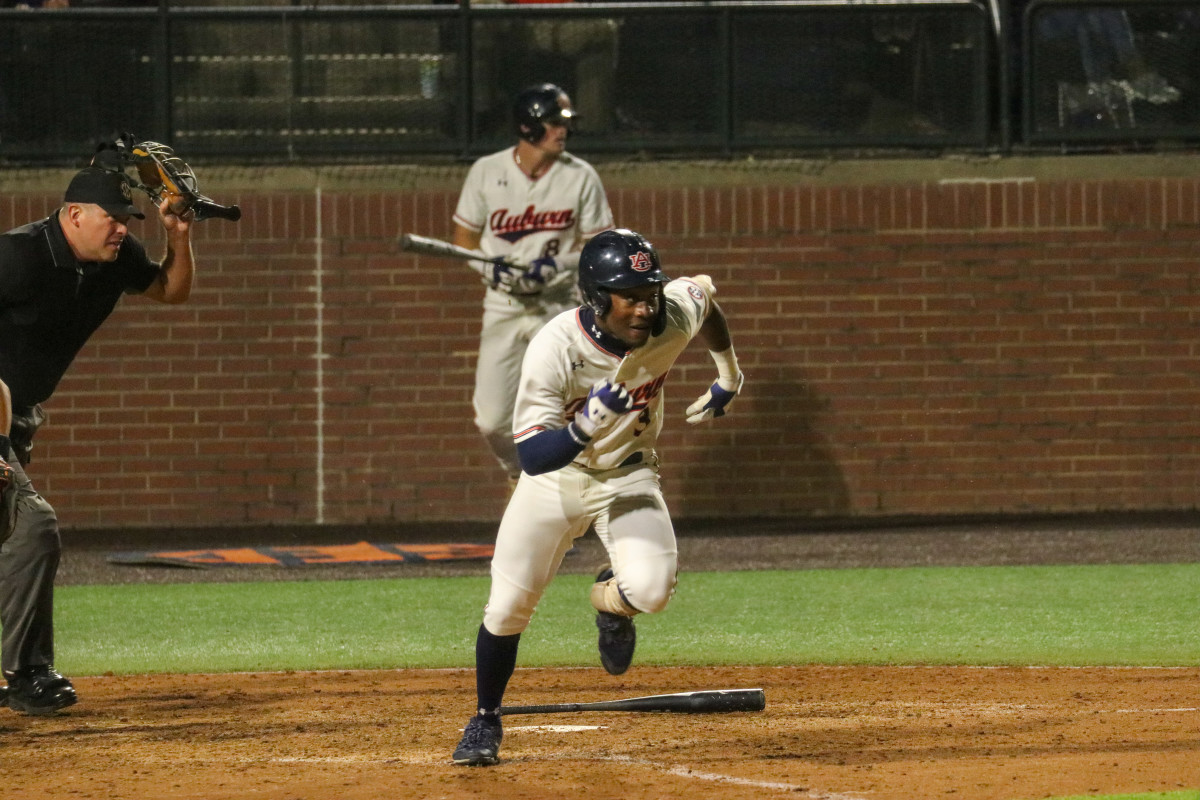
(589, 411)
(531, 204)
(60, 278)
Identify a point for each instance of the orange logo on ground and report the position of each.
(306, 555)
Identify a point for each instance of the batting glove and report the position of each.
(501, 277)
(604, 406)
(534, 279)
(714, 402)
(494, 273)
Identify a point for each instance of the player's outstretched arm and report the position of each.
(714, 332)
(548, 451)
(551, 450)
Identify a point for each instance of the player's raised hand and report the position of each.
(714, 402)
(604, 406)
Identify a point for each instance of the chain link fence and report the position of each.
(281, 82)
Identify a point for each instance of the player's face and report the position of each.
(95, 235)
(632, 314)
(555, 139)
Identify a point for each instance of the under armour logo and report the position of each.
(641, 262)
(576, 365)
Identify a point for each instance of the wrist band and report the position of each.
(577, 435)
(727, 365)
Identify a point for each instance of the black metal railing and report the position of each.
(311, 83)
(1110, 72)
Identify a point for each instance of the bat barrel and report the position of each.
(728, 700)
(708, 702)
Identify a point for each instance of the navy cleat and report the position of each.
(617, 640)
(617, 636)
(480, 744)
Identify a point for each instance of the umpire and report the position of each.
(60, 278)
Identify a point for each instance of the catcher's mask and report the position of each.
(161, 175)
(619, 259)
(537, 105)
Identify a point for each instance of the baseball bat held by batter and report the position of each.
(427, 245)
(713, 701)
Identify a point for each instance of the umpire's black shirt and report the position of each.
(51, 303)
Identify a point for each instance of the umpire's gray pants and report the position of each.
(28, 565)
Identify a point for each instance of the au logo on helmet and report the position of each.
(640, 261)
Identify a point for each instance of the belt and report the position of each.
(633, 459)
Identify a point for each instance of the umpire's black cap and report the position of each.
(105, 188)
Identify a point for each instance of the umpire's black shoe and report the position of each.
(480, 744)
(38, 691)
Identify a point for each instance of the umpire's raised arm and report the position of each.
(175, 272)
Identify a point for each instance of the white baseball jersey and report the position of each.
(565, 360)
(526, 219)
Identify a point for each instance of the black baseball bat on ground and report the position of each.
(707, 702)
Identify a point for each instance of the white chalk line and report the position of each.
(713, 777)
(554, 728)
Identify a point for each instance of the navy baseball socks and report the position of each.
(495, 660)
(37, 690)
(617, 637)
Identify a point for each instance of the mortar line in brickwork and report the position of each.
(1164, 190)
(319, 321)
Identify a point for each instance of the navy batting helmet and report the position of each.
(618, 259)
(537, 105)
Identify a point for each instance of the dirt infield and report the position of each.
(827, 733)
(834, 733)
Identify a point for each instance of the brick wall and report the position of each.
(917, 340)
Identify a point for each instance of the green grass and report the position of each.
(1189, 795)
(1075, 615)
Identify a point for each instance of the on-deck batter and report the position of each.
(530, 204)
(589, 411)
